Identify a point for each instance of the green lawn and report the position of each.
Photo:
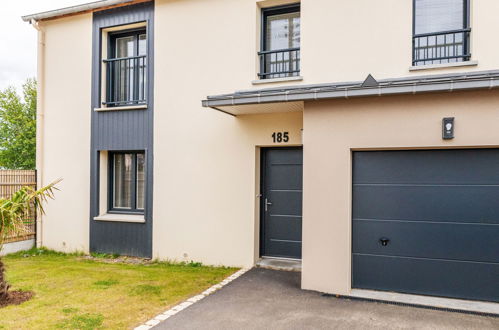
(74, 293)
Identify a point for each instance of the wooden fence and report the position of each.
(10, 182)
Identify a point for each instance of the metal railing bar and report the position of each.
(126, 102)
(444, 58)
(278, 72)
(264, 52)
(123, 58)
(441, 45)
(432, 34)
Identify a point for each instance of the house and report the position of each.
(360, 137)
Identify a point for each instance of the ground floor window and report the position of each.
(127, 182)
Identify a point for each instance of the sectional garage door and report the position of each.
(427, 222)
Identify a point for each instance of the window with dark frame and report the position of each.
(127, 182)
(441, 32)
(280, 42)
(126, 68)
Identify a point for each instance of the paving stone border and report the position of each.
(187, 303)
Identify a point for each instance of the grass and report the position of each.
(75, 293)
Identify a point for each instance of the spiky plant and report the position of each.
(13, 214)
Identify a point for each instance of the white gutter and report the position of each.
(73, 10)
(40, 112)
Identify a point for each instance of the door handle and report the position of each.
(267, 203)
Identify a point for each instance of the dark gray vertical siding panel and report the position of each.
(122, 130)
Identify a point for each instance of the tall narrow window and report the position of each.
(280, 54)
(128, 182)
(441, 31)
(126, 69)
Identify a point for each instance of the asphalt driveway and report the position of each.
(268, 299)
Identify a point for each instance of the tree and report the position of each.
(18, 127)
(13, 212)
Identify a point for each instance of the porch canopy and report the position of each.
(292, 98)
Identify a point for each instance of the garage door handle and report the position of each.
(384, 241)
(267, 203)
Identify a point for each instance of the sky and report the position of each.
(18, 39)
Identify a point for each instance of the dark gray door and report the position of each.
(281, 206)
(427, 222)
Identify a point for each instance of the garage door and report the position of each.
(427, 222)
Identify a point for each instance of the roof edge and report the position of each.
(73, 10)
(407, 85)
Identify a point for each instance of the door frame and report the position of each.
(262, 180)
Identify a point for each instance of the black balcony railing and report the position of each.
(441, 47)
(126, 81)
(279, 63)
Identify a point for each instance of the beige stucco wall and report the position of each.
(64, 145)
(340, 40)
(205, 179)
(332, 129)
(347, 40)
(205, 203)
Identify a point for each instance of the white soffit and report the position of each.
(251, 109)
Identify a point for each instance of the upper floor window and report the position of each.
(441, 32)
(280, 51)
(126, 69)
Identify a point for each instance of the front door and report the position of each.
(281, 202)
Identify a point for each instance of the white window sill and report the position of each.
(276, 80)
(442, 66)
(137, 218)
(127, 107)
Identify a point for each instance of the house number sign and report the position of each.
(280, 137)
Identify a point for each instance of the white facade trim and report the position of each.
(127, 107)
(276, 80)
(443, 66)
(139, 218)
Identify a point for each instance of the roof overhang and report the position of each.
(277, 99)
(79, 9)
(259, 108)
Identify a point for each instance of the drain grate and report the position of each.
(451, 310)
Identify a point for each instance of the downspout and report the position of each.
(40, 112)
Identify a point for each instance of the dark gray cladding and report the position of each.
(427, 222)
(122, 130)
